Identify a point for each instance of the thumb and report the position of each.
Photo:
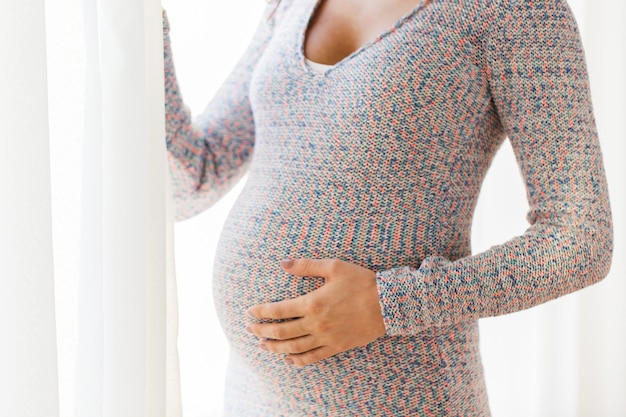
(307, 267)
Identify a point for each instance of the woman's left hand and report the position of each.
(342, 314)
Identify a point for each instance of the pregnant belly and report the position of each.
(255, 238)
(247, 264)
(247, 272)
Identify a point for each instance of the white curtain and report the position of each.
(122, 367)
(87, 297)
(28, 367)
(88, 301)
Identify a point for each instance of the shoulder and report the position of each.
(275, 10)
(526, 16)
(503, 8)
(482, 8)
(494, 9)
(526, 4)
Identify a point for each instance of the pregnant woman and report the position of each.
(344, 278)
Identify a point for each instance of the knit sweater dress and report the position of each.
(379, 162)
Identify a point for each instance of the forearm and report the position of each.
(208, 154)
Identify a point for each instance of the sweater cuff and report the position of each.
(409, 298)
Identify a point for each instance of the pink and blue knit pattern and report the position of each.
(379, 161)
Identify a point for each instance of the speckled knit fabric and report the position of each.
(379, 161)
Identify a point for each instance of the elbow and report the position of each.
(604, 257)
(600, 251)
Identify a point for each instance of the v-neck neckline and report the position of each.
(312, 9)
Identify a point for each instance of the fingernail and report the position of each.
(287, 263)
(249, 329)
(248, 313)
(262, 346)
(289, 361)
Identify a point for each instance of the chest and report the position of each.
(415, 96)
(337, 28)
(416, 68)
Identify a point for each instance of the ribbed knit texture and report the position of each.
(379, 161)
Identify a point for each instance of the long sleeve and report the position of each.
(535, 64)
(211, 152)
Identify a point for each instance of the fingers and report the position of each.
(297, 345)
(295, 307)
(309, 357)
(278, 331)
(312, 267)
(292, 337)
(287, 309)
